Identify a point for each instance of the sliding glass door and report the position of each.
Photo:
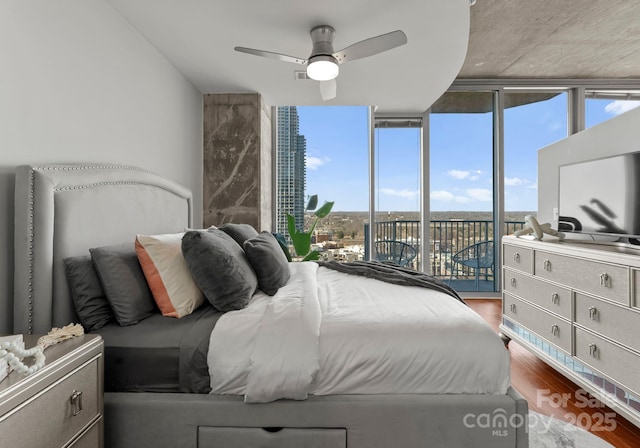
(461, 152)
(397, 190)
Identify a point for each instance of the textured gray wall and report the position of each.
(237, 160)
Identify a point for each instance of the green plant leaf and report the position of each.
(301, 240)
(291, 225)
(313, 255)
(313, 202)
(324, 210)
(302, 243)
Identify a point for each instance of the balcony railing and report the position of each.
(446, 238)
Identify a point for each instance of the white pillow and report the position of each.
(167, 274)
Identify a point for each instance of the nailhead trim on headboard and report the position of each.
(31, 208)
(88, 167)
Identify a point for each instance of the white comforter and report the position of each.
(326, 332)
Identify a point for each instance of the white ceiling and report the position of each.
(198, 37)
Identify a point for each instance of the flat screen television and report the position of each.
(601, 197)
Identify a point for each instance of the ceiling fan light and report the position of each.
(322, 68)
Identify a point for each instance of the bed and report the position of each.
(62, 211)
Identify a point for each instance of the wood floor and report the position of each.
(533, 378)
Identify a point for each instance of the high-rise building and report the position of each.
(291, 169)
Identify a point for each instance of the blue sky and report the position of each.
(460, 156)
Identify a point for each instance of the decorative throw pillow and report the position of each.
(269, 262)
(167, 274)
(220, 268)
(239, 232)
(123, 282)
(89, 299)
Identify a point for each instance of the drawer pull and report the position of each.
(555, 298)
(546, 265)
(512, 307)
(513, 282)
(604, 280)
(593, 350)
(516, 257)
(593, 313)
(76, 402)
(555, 330)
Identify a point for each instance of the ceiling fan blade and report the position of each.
(272, 55)
(328, 89)
(371, 46)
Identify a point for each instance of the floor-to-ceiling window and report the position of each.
(324, 151)
(397, 190)
(461, 152)
(481, 145)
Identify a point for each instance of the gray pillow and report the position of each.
(89, 299)
(220, 268)
(269, 262)
(124, 283)
(239, 232)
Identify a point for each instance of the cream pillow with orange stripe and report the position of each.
(167, 274)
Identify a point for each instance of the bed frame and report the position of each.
(63, 210)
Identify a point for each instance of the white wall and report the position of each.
(619, 135)
(79, 84)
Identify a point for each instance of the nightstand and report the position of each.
(60, 405)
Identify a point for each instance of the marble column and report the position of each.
(237, 184)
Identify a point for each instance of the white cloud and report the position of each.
(458, 174)
(513, 181)
(442, 195)
(533, 186)
(465, 174)
(480, 194)
(463, 200)
(446, 196)
(407, 194)
(620, 107)
(313, 163)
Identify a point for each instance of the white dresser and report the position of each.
(61, 405)
(577, 306)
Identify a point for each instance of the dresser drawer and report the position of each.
(518, 258)
(549, 296)
(602, 279)
(635, 276)
(221, 437)
(90, 439)
(548, 326)
(608, 358)
(46, 420)
(616, 322)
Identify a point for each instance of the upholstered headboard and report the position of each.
(63, 210)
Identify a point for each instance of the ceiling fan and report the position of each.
(323, 63)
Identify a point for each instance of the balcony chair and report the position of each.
(476, 256)
(396, 252)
